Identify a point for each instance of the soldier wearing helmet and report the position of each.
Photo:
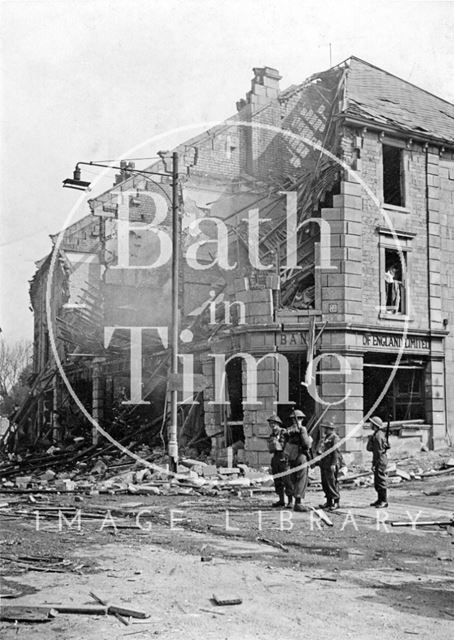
(378, 445)
(279, 461)
(330, 463)
(298, 449)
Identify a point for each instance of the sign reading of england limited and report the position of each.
(386, 341)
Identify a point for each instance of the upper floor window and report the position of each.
(395, 267)
(393, 178)
(394, 289)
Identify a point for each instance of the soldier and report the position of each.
(298, 449)
(378, 445)
(279, 461)
(330, 465)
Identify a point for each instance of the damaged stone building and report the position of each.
(334, 199)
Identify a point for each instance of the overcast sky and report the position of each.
(93, 79)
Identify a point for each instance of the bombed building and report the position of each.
(316, 255)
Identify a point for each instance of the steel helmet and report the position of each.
(377, 422)
(297, 413)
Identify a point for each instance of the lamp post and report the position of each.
(173, 431)
(76, 183)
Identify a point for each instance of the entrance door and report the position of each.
(297, 392)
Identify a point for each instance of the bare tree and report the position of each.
(14, 359)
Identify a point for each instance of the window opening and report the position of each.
(404, 399)
(395, 291)
(232, 415)
(393, 192)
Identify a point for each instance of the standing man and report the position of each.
(378, 445)
(330, 465)
(298, 448)
(279, 461)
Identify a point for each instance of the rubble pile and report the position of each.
(98, 472)
(108, 471)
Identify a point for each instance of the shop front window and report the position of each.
(404, 399)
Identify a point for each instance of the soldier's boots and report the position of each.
(374, 504)
(299, 507)
(382, 501)
(280, 502)
(334, 506)
(328, 504)
(289, 504)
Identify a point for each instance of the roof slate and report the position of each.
(374, 94)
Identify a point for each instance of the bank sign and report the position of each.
(390, 341)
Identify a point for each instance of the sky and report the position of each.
(96, 79)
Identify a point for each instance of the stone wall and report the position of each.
(446, 237)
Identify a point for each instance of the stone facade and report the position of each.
(237, 167)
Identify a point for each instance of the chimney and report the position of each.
(264, 87)
(261, 107)
(125, 173)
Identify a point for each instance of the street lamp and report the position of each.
(76, 183)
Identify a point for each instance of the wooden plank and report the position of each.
(226, 601)
(25, 614)
(322, 515)
(83, 610)
(123, 611)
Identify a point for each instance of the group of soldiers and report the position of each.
(292, 454)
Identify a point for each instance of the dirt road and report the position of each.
(359, 579)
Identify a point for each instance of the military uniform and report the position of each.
(279, 460)
(329, 467)
(378, 445)
(298, 448)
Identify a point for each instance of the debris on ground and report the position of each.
(42, 613)
(78, 470)
(224, 600)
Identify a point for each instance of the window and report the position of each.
(393, 183)
(394, 270)
(394, 282)
(404, 399)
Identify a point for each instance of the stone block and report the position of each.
(354, 228)
(338, 227)
(263, 459)
(257, 444)
(353, 215)
(352, 267)
(333, 293)
(351, 241)
(252, 458)
(348, 201)
(65, 485)
(332, 215)
(350, 188)
(210, 471)
(352, 280)
(261, 430)
(22, 482)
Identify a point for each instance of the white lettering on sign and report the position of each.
(386, 341)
